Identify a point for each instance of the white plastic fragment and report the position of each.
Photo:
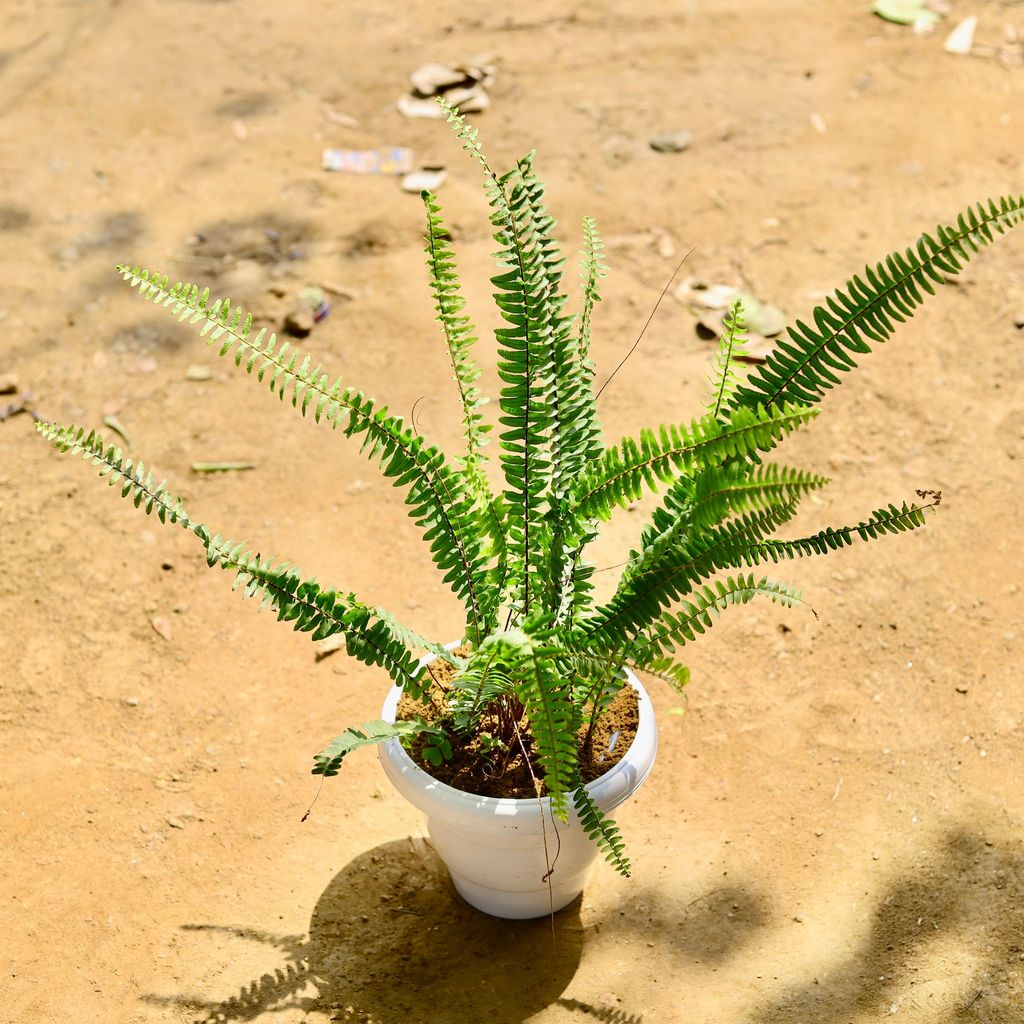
(961, 39)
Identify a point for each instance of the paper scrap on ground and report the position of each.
(385, 160)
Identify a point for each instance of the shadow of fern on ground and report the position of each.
(968, 886)
(391, 940)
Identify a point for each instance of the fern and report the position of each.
(438, 498)
(540, 664)
(807, 366)
(328, 761)
(731, 346)
(601, 830)
(620, 476)
(459, 337)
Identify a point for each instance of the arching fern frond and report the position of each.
(372, 635)
(891, 519)
(641, 598)
(437, 498)
(810, 363)
(601, 830)
(328, 762)
(697, 615)
(621, 474)
(709, 498)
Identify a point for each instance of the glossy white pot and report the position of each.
(494, 848)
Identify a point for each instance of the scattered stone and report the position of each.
(8, 384)
(799, 918)
(818, 123)
(429, 178)
(961, 689)
(672, 142)
(961, 39)
(1018, 321)
(299, 322)
(142, 365)
(197, 372)
(462, 85)
(132, 702)
(819, 832)
(161, 626)
(175, 823)
(329, 646)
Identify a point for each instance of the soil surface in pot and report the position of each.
(507, 773)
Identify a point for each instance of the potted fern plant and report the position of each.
(520, 739)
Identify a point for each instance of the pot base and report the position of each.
(518, 906)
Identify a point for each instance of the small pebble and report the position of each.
(299, 322)
(671, 142)
(132, 702)
(8, 384)
(819, 832)
(197, 372)
(799, 918)
(175, 823)
(1018, 321)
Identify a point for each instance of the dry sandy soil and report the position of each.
(833, 831)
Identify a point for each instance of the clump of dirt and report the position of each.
(506, 772)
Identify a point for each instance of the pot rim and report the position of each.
(608, 790)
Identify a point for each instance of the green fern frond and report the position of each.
(697, 616)
(328, 762)
(135, 481)
(601, 830)
(891, 519)
(641, 599)
(592, 270)
(662, 667)
(524, 300)
(459, 336)
(731, 346)
(709, 498)
(620, 475)
(809, 364)
(372, 635)
(437, 497)
(544, 692)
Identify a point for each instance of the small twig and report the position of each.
(977, 996)
(309, 810)
(664, 292)
(412, 415)
(221, 467)
(548, 863)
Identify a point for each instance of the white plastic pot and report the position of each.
(494, 848)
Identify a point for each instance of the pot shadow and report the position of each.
(391, 937)
(391, 940)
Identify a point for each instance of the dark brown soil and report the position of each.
(508, 773)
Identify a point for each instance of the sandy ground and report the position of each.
(833, 831)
